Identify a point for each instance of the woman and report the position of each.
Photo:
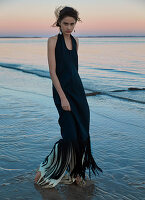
(71, 155)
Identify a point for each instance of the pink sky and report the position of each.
(100, 17)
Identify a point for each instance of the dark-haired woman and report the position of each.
(71, 155)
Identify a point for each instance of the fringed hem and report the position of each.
(85, 161)
(65, 162)
(89, 162)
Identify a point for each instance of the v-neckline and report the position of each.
(65, 43)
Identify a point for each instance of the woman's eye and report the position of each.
(70, 24)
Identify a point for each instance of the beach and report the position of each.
(29, 122)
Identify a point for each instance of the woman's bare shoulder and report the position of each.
(77, 41)
(52, 40)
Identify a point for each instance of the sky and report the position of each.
(99, 17)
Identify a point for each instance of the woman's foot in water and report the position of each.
(38, 174)
(79, 181)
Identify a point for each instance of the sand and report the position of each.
(29, 128)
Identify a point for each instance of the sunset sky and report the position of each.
(99, 17)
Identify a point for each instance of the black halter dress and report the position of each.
(71, 155)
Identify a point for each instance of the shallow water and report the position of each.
(105, 64)
(29, 128)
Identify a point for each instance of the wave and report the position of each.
(115, 70)
(46, 74)
(19, 67)
(94, 93)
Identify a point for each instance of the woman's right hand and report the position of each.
(65, 104)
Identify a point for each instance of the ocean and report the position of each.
(114, 68)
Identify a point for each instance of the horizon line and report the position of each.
(91, 36)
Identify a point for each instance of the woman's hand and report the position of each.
(65, 104)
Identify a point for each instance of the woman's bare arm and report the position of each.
(52, 66)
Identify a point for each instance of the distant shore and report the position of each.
(100, 36)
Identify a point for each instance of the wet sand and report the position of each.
(29, 128)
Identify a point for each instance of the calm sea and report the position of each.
(114, 67)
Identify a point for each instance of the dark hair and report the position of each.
(64, 11)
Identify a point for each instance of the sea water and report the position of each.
(112, 66)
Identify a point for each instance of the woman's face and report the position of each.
(67, 24)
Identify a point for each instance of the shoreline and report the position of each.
(29, 129)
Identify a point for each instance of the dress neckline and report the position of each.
(65, 43)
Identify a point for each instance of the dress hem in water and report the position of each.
(65, 161)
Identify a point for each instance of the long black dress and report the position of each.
(71, 155)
